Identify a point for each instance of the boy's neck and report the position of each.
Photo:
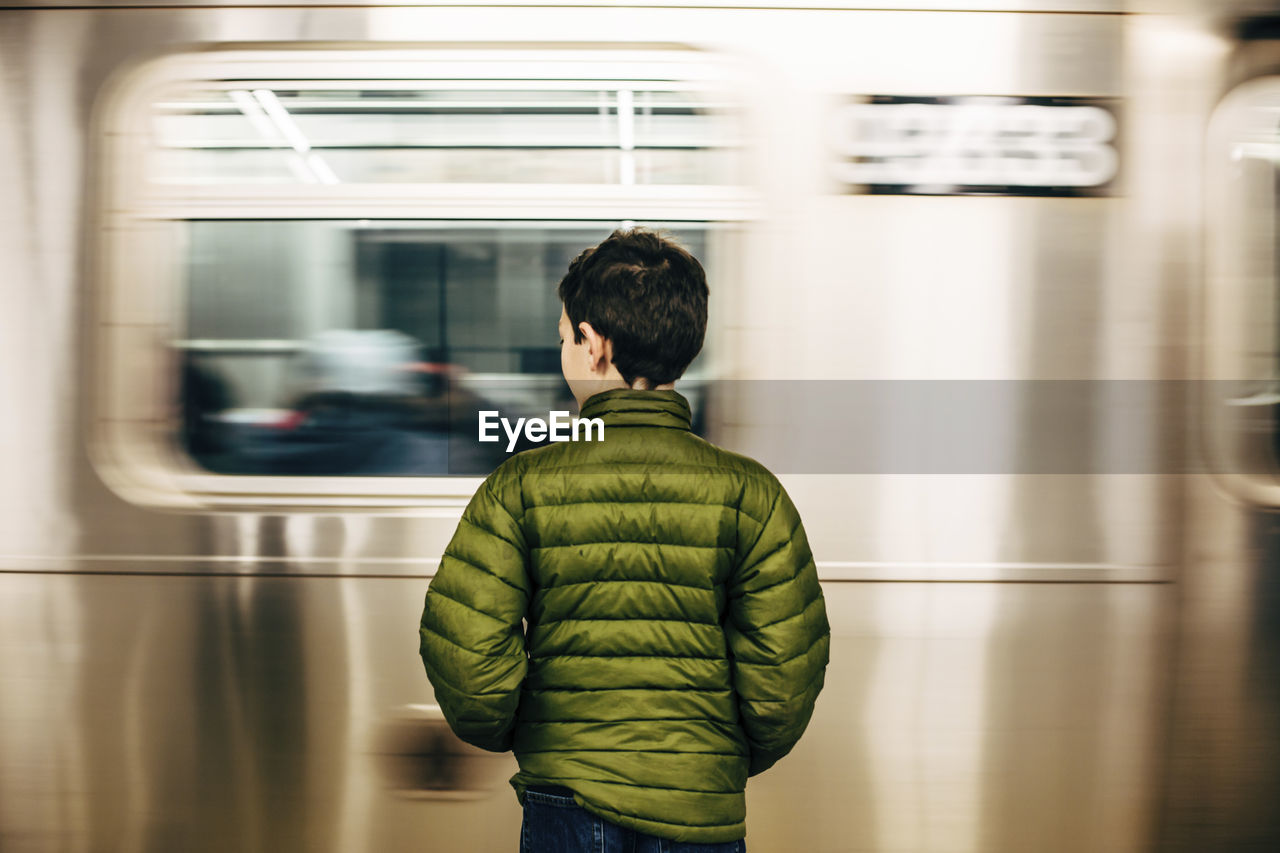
(615, 384)
(642, 384)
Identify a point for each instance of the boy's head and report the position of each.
(635, 313)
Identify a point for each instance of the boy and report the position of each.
(677, 636)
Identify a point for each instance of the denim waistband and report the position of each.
(559, 790)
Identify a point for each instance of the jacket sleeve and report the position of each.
(778, 634)
(471, 636)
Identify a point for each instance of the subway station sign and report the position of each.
(977, 146)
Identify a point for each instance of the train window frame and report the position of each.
(137, 309)
(1232, 404)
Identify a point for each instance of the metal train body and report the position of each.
(1052, 660)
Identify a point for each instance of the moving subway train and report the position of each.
(994, 290)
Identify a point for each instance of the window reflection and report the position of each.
(368, 349)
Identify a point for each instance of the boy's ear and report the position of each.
(599, 349)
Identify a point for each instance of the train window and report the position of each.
(320, 265)
(1242, 304)
(633, 132)
(341, 347)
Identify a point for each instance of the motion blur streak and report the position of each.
(238, 398)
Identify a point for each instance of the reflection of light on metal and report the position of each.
(269, 117)
(1269, 151)
(298, 167)
(322, 171)
(282, 120)
(940, 746)
(1267, 397)
(627, 136)
(253, 113)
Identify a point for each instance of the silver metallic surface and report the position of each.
(252, 713)
(1048, 663)
(1094, 6)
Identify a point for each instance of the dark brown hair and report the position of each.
(646, 294)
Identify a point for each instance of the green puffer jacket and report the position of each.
(677, 636)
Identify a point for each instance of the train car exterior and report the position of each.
(993, 291)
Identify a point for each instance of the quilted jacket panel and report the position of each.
(639, 618)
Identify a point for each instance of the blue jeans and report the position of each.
(554, 823)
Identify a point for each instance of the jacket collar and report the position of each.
(629, 407)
